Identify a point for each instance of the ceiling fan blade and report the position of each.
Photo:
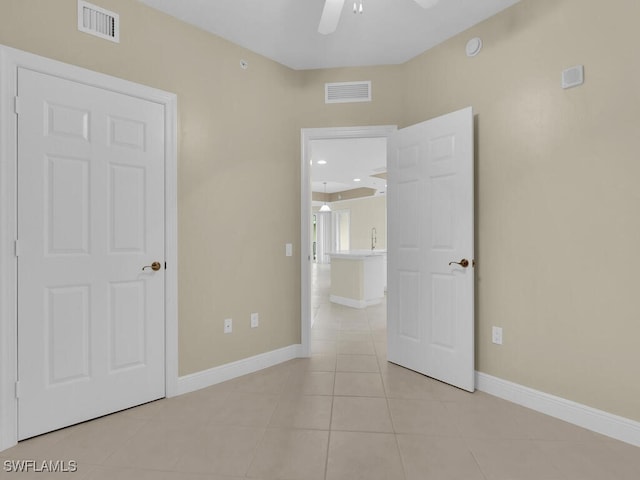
(426, 3)
(330, 16)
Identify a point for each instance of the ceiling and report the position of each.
(346, 160)
(388, 32)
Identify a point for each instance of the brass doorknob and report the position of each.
(463, 263)
(155, 266)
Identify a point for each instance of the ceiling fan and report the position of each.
(333, 8)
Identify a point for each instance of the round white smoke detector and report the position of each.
(473, 47)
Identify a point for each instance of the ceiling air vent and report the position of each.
(347, 92)
(98, 21)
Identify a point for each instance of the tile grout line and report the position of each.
(333, 395)
(393, 426)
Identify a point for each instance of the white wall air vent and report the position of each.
(98, 21)
(347, 92)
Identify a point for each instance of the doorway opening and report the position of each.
(311, 230)
(429, 316)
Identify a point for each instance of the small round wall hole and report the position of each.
(244, 64)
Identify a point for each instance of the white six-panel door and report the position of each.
(431, 224)
(90, 217)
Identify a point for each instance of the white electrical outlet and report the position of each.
(496, 335)
(288, 249)
(228, 325)
(255, 320)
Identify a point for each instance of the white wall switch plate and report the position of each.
(255, 320)
(228, 325)
(288, 249)
(496, 335)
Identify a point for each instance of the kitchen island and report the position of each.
(358, 277)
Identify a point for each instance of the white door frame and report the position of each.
(10, 60)
(307, 135)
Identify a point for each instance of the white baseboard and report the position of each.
(229, 371)
(608, 424)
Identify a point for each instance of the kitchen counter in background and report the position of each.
(358, 277)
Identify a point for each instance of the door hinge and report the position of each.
(16, 248)
(18, 389)
(16, 105)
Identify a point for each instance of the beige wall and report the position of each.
(386, 107)
(366, 213)
(236, 128)
(557, 200)
(558, 203)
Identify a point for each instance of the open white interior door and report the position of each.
(431, 225)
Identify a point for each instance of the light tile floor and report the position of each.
(343, 414)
